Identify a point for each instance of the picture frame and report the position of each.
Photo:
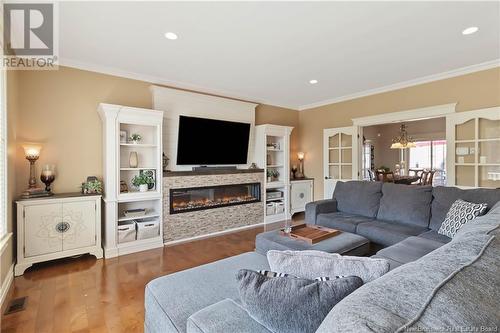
(123, 136)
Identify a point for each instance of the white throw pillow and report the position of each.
(459, 214)
(311, 264)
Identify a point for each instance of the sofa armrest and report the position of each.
(223, 316)
(313, 209)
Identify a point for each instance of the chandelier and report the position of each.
(403, 140)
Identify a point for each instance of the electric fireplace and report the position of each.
(199, 198)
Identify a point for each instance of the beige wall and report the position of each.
(472, 91)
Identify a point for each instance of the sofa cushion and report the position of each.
(224, 316)
(341, 221)
(460, 213)
(393, 300)
(408, 204)
(312, 264)
(433, 235)
(469, 297)
(410, 249)
(444, 197)
(289, 304)
(171, 299)
(388, 233)
(358, 197)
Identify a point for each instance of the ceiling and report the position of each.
(267, 52)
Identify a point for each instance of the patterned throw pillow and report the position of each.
(460, 213)
(321, 278)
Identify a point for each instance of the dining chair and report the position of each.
(429, 177)
(385, 176)
(371, 175)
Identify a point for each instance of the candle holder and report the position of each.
(47, 176)
(32, 153)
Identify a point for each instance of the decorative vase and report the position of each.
(133, 159)
(269, 179)
(143, 188)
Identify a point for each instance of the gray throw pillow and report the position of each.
(289, 304)
(459, 214)
(310, 264)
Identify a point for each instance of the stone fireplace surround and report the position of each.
(199, 223)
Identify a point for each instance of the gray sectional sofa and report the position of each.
(436, 283)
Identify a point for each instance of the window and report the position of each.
(430, 155)
(3, 158)
(367, 160)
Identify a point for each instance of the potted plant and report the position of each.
(272, 175)
(135, 138)
(142, 182)
(93, 186)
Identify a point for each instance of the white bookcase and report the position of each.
(272, 153)
(116, 120)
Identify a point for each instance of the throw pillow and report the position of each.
(289, 304)
(459, 214)
(311, 264)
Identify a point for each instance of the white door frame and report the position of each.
(430, 112)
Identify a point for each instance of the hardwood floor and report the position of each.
(107, 295)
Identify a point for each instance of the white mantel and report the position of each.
(175, 102)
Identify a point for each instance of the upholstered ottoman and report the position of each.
(343, 243)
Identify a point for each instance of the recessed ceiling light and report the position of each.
(170, 35)
(313, 81)
(470, 30)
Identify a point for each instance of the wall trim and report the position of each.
(6, 285)
(407, 115)
(155, 80)
(405, 84)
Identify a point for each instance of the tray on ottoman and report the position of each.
(344, 243)
(310, 233)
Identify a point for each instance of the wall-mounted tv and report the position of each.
(204, 141)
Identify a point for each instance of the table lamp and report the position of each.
(32, 153)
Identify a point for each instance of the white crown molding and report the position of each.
(406, 84)
(406, 115)
(168, 83)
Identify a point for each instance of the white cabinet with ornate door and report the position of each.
(473, 144)
(340, 156)
(301, 193)
(60, 226)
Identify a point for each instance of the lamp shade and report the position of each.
(32, 150)
(300, 155)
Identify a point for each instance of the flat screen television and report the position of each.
(204, 141)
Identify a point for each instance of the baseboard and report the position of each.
(213, 234)
(6, 285)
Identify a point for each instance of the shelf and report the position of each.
(275, 184)
(137, 196)
(276, 150)
(137, 169)
(139, 242)
(275, 199)
(274, 166)
(140, 145)
(124, 218)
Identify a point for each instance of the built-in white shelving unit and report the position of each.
(127, 234)
(272, 153)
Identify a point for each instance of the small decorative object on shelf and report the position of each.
(151, 175)
(123, 136)
(92, 186)
(123, 186)
(272, 175)
(165, 162)
(294, 171)
(253, 166)
(133, 159)
(48, 175)
(300, 173)
(142, 181)
(135, 138)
